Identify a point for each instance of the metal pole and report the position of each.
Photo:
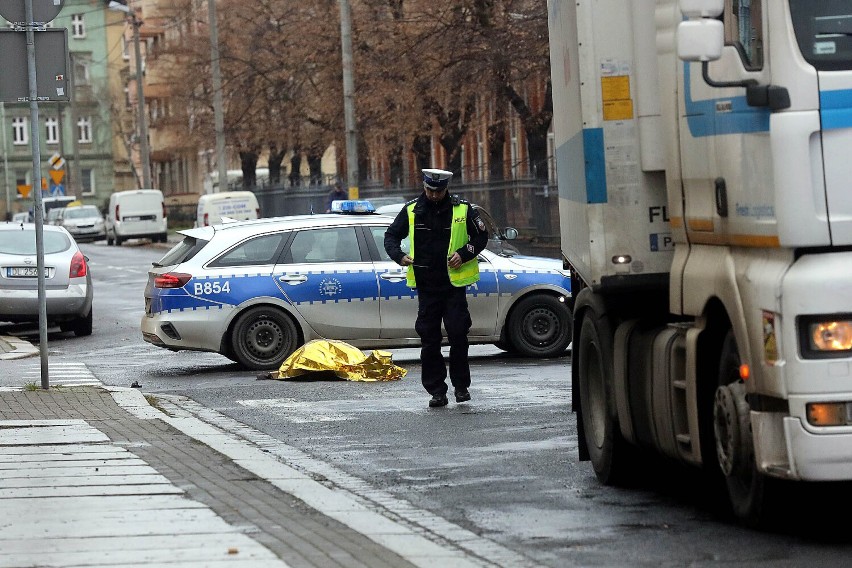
(218, 116)
(349, 99)
(140, 102)
(36, 184)
(6, 163)
(75, 168)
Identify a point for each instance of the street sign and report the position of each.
(56, 161)
(43, 10)
(51, 51)
(25, 190)
(57, 175)
(57, 190)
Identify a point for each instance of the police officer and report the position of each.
(445, 235)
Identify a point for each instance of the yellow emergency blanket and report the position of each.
(343, 360)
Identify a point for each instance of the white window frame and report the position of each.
(81, 71)
(87, 174)
(27, 175)
(78, 26)
(20, 131)
(84, 130)
(51, 130)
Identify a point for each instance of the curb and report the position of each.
(15, 348)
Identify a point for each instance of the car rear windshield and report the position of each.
(81, 212)
(23, 242)
(182, 251)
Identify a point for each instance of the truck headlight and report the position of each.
(825, 336)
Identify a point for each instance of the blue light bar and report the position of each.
(352, 206)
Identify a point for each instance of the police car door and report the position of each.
(399, 302)
(325, 277)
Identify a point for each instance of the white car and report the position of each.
(68, 281)
(255, 291)
(84, 222)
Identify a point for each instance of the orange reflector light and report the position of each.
(827, 413)
(745, 372)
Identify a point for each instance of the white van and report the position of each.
(136, 214)
(239, 205)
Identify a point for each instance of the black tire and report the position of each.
(164, 238)
(110, 241)
(611, 456)
(748, 490)
(263, 337)
(540, 326)
(83, 326)
(117, 241)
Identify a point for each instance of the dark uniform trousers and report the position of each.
(449, 306)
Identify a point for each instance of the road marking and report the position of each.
(63, 374)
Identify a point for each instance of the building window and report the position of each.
(84, 129)
(78, 26)
(20, 132)
(51, 131)
(22, 177)
(81, 71)
(125, 49)
(87, 181)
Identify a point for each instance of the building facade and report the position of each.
(79, 131)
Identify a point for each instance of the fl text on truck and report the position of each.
(704, 161)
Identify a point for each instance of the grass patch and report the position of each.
(154, 401)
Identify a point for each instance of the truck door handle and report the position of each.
(721, 197)
(293, 278)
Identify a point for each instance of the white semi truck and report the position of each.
(704, 161)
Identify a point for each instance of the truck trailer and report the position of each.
(704, 163)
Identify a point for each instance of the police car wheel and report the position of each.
(540, 326)
(263, 337)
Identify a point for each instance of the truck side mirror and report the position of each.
(700, 40)
(701, 8)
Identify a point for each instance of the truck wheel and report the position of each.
(117, 241)
(747, 488)
(609, 453)
(110, 241)
(263, 337)
(540, 326)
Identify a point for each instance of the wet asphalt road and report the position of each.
(503, 466)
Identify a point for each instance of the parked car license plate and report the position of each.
(22, 272)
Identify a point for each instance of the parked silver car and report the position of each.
(84, 222)
(68, 282)
(256, 290)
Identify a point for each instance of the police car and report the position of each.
(256, 290)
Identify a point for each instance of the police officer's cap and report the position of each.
(436, 179)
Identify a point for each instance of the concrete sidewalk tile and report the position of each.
(12, 347)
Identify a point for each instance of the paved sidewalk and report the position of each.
(96, 476)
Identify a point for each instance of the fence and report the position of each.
(525, 204)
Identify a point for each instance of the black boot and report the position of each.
(438, 400)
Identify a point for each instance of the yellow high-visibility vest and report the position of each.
(467, 273)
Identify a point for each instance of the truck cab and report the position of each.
(703, 169)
